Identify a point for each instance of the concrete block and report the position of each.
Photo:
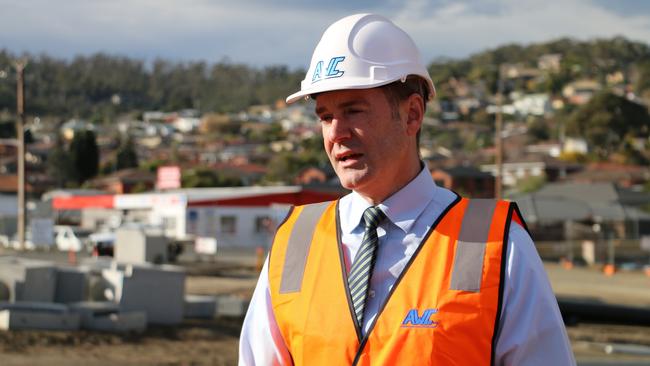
(135, 246)
(37, 316)
(70, 285)
(19, 319)
(105, 316)
(35, 306)
(28, 279)
(88, 310)
(133, 321)
(157, 290)
(231, 306)
(197, 306)
(96, 263)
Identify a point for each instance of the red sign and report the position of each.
(81, 202)
(169, 177)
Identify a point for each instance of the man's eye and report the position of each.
(326, 118)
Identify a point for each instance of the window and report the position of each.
(262, 224)
(169, 223)
(228, 224)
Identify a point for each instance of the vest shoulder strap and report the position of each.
(470, 249)
(298, 246)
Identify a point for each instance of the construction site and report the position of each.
(62, 309)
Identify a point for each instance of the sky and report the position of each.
(284, 32)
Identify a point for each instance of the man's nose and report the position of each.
(338, 130)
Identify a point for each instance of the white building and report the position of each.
(235, 217)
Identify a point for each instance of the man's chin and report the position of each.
(353, 182)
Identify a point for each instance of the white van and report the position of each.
(69, 238)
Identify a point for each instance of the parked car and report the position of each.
(71, 238)
(14, 244)
(102, 243)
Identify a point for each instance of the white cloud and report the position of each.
(455, 30)
(285, 32)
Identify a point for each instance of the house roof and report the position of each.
(9, 183)
(127, 175)
(466, 171)
(610, 172)
(574, 201)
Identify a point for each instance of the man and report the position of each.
(400, 271)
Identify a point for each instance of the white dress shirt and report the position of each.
(531, 331)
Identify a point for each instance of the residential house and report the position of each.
(580, 92)
(598, 211)
(73, 126)
(249, 173)
(532, 166)
(628, 176)
(531, 104)
(549, 62)
(465, 180)
(310, 175)
(125, 181)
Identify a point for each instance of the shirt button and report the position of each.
(371, 293)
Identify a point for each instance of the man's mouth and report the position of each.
(348, 156)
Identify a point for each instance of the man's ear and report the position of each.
(414, 113)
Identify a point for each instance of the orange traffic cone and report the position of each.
(609, 269)
(259, 256)
(72, 257)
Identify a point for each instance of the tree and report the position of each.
(126, 155)
(608, 121)
(84, 155)
(207, 177)
(59, 164)
(284, 166)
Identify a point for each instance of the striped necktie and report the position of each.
(361, 271)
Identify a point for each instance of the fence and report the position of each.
(613, 251)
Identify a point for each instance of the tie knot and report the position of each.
(372, 216)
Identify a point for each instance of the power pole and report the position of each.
(20, 136)
(498, 143)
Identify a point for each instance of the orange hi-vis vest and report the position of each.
(442, 310)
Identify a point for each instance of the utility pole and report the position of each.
(20, 136)
(498, 141)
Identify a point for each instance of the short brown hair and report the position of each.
(398, 91)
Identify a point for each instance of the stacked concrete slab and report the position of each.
(28, 279)
(71, 285)
(200, 306)
(228, 305)
(37, 315)
(136, 246)
(106, 317)
(157, 290)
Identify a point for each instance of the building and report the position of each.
(580, 92)
(235, 217)
(562, 211)
(532, 166)
(125, 181)
(465, 180)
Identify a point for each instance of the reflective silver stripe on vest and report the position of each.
(298, 247)
(470, 249)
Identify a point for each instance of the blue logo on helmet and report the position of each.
(330, 72)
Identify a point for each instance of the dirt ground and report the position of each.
(195, 342)
(215, 342)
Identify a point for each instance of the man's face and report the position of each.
(368, 144)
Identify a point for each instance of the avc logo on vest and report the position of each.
(414, 320)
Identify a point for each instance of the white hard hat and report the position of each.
(359, 52)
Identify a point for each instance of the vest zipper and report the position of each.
(364, 340)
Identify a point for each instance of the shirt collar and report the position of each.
(402, 208)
